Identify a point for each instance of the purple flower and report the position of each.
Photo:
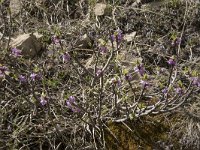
(171, 62)
(128, 77)
(16, 52)
(43, 100)
(144, 83)
(176, 42)
(165, 90)
(72, 99)
(55, 39)
(115, 81)
(1, 75)
(195, 81)
(70, 103)
(66, 57)
(75, 109)
(103, 49)
(33, 76)
(179, 90)
(140, 69)
(22, 78)
(112, 38)
(119, 36)
(99, 72)
(3, 70)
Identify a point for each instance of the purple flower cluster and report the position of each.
(55, 39)
(70, 104)
(33, 76)
(171, 62)
(195, 81)
(128, 77)
(22, 78)
(165, 91)
(66, 57)
(3, 70)
(43, 100)
(179, 90)
(103, 49)
(118, 36)
(116, 81)
(140, 69)
(16, 52)
(144, 83)
(176, 42)
(99, 72)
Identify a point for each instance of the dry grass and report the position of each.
(26, 124)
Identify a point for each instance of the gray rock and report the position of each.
(99, 9)
(28, 43)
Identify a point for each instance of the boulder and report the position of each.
(99, 9)
(130, 37)
(30, 44)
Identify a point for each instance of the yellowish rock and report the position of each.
(28, 43)
(99, 9)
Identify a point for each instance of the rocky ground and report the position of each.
(89, 74)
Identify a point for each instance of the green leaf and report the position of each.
(132, 116)
(142, 105)
(125, 71)
(1, 1)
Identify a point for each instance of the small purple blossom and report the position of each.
(112, 38)
(22, 78)
(16, 52)
(165, 90)
(115, 81)
(75, 109)
(65, 57)
(195, 81)
(1, 75)
(33, 76)
(55, 39)
(171, 62)
(3, 70)
(70, 103)
(176, 42)
(144, 83)
(119, 36)
(71, 99)
(99, 72)
(43, 100)
(140, 69)
(179, 90)
(103, 49)
(128, 77)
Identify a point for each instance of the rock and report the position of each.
(15, 7)
(28, 43)
(99, 9)
(130, 37)
(84, 42)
